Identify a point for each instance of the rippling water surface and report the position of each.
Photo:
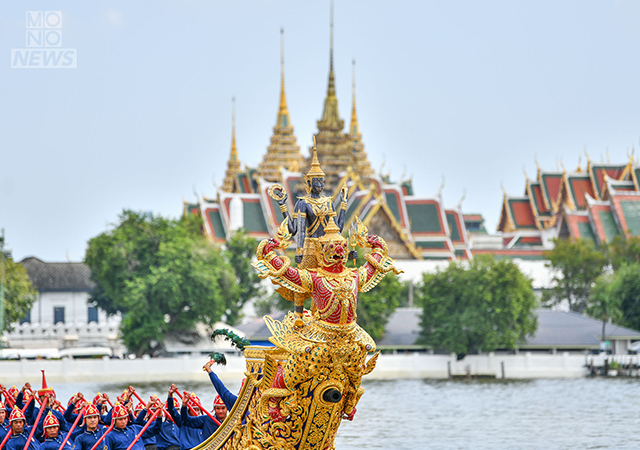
(599, 413)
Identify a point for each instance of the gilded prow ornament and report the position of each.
(298, 392)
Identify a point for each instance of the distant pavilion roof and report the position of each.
(562, 329)
(402, 329)
(58, 276)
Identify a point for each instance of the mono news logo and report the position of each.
(44, 44)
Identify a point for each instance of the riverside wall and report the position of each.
(389, 366)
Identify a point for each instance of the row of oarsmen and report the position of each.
(100, 425)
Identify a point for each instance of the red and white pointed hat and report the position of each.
(119, 411)
(45, 389)
(50, 421)
(16, 414)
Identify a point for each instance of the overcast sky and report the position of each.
(466, 90)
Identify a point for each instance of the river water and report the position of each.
(588, 413)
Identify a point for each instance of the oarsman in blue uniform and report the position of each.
(47, 399)
(227, 397)
(12, 391)
(219, 409)
(53, 436)
(5, 421)
(47, 403)
(4, 416)
(148, 440)
(168, 436)
(124, 434)
(90, 431)
(75, 406)
(205, 423)
(20, 433)
(189, 437)
(21, 398)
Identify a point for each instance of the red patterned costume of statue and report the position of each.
(330, 345)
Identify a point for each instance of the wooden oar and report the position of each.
(66, 438)
(146, 425)
(107, 431)
(195, 413)
(6, 438)
(199, 405)
(35, 424)
(8, 398)
(142, 401)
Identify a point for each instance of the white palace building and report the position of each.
(62, 321)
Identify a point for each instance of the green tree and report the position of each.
(622, 250)
(482, 304)
(604, 304)
(162, 275)
(625, 289)
(575, 264)
(239, 250)
(19, 294)
(376, 306)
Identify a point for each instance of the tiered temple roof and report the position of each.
(598, 203)
(413, 227)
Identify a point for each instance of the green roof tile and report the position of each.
(216, 223)
(392, 202)
(424, 218)
(585, 231)
(431, 244)
(608, 224)
(253, 217)
(453, 227)
(631, 212)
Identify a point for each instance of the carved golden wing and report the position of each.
(383, 267)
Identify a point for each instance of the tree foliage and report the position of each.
(623, 288)
(376, 306)
(239, 250)
(575, 264)
(19, 294)
(604, 304)
(162, 276)
(482, 304)
(622, 250)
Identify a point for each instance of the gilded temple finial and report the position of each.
(233, 166)
(234, 149)
(354, 117)
(330, 115)
(331, 40)
(283, 99)
(315, 170)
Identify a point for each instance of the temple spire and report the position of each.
(283, 114)
(331, 41)
(360, 162)
(334, 151)
(283, 151)
(354, 129)
(234, 148)
(330, 116)
(233, 166)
